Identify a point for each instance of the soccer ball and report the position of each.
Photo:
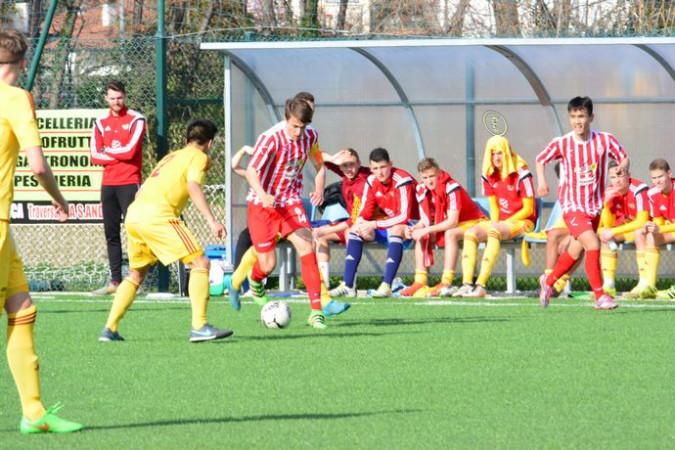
(276, 315)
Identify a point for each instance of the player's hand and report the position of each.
(61, 211)
(267, 200)
(218, 229)
(317, 232)
(610, 193)
(248, 149)
(367, 226)
(651, 227)
(542, 189)
(606, 236)
(419, 233)
(316, 198)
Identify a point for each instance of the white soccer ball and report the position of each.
(276, 315)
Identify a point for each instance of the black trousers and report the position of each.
(243, 244)
(115, 200)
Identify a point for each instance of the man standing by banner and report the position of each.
(117, 145)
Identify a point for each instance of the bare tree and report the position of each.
(507, 22)
(137, 20)
(269, 18)
(342, 15)
(311, 17)
(456, 25)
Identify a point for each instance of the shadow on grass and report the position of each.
(316, 335)
(133, 310)
(431, 320)
(260, 418)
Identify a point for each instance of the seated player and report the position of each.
(659, 231)
(246, 254)
(347, 165)
(392, 190)
(446, 213)
(507, 182)
(156, 232)
(625, 210)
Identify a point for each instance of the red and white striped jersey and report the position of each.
(583, 169)
(279, 161)
(396, 198)
(626, 207)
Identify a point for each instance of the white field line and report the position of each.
(48, 298)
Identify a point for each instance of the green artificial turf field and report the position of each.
(387, 374)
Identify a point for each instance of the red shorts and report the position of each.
(266, 224)
(342, 236)
(579, 222)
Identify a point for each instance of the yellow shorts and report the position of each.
(518, 227)
(168, 240)
(464, 226)
(12, 278)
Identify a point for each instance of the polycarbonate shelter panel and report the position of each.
(440, 74)
(363, 129)
(616, 71)
(667, 52)
(332, 75)
(445, 137)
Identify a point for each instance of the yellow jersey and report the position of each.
(165, 193)
(18, 131)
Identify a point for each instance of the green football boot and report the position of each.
(49, 423)
(258, 291)
(317, 320)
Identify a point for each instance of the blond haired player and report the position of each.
(155, 231)
(19, 132)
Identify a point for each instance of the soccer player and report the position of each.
(347, 165)
(507, 182)
(584, 154)
(392, 191)
(156, 232)
(117, 145)
(657, 232)
(446, 213)
(626, 210)
(19, 132)
(275, 207)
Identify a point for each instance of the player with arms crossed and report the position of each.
(275, 207)
(626, 210)
(392, 191)
(446, 212)
(657, 232)
(156, 232)
(19, 132)
(584, 155)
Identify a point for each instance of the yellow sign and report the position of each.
(66, 137)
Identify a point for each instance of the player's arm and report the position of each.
(494, 208)
(43, 173)
(237, 159)
(617, 152)
(640, 220)
(96, 149)
(607, 217)
(316, 197)
(450, 222)
(263, 148)
(329, 229)
(134, 146)
(406, 202)
(551, 152)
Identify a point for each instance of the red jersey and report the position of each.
(352, 190)
(396, 198)
(662, 205)
(583, 169)
(279, 161)
(117, 144)
(626, 207)
(510, 192)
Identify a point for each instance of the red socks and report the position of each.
(593, 272)
(312, 279)
(257, 274)
(564, 265)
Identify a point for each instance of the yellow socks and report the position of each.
(489, 257)
(642, 267)
(199, 296)
(124, 297)
(245, 266)
(23, 361)
(325, 296)
(560, 284)
(448, 277)
(608, 260)
(421, 277)
(652, 265)
(469, 254)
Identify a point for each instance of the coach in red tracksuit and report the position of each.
(117, 144)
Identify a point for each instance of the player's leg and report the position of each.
(564, 239)
(640, 246)
(140, 259)
(608, 262)
(198, 288)
(395, 239)
(245, 258)
(264, 224)
(472, 237)
(21, 356)
(654, 240)
(330, 307)
(302, 240)
(421, 279)
(355, 242)
(452, 237)
(112, 213)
